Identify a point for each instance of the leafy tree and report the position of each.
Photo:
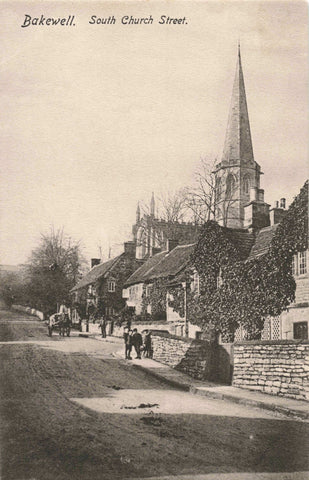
(53, 269)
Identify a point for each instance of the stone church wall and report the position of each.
(275, 367)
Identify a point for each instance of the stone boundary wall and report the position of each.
(275, 367)
(193, 357)
(29, 311)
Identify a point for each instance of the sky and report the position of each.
(97, 117)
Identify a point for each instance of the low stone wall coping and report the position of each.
(181, 339)
(271, 342)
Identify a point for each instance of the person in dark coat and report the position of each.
(127, 336)
(147, 344)
(103, 326)
(137, 342)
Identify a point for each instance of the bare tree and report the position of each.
(162, 221)
(209, 198)
(172, 206)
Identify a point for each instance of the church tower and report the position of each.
(237, 175)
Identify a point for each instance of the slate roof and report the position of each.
(95, 273)
(141, 273)
(263, 241)
(242, 240)
(172, 263)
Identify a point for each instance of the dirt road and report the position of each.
(47, 435)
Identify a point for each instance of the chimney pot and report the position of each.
(95, 261)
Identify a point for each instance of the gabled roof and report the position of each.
(172, 263)
(263, 241)
(140, 274)
(242, 241)
(96, 272)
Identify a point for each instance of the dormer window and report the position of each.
(111, 286)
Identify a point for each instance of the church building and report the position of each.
(239, 198)
(151, 234)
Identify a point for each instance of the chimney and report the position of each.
(129, 248)
(95, 261)
(282, 203)
(253, 194)
(278, 213)
(260, 195)
(171, 244)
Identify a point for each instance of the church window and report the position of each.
(218, 187)
(230, 185)
(246, 184)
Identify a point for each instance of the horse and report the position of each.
(64, 325)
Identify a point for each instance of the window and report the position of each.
(299, 263)
(302, 263)
(196, 283)
(300, 331)
(111, 286)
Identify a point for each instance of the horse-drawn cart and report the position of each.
(61, 323)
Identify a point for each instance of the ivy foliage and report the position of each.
(249, 290)
(155, 296)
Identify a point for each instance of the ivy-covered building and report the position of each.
(247, 275)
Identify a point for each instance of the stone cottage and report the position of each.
(102, 285)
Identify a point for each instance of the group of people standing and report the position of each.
(132, 338)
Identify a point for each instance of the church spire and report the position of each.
(238, 145)
(138, 213)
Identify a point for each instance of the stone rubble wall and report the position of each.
(193, 357)
(274, 367)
